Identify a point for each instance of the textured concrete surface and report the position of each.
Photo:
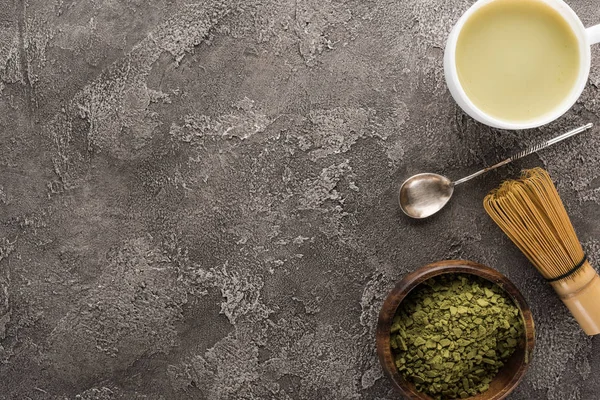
(198, 198)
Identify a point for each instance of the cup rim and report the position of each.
(585, 65)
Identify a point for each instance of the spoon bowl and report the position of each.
(423, 195)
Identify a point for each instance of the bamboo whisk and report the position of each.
(532, 215)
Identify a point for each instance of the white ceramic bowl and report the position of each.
(586, 38)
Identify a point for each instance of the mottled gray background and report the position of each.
(198, 198)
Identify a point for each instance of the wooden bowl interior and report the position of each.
(513, 371)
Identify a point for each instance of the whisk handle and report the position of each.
(526, 152)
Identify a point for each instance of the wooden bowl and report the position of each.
(513, 371)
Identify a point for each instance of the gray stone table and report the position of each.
(198, 198)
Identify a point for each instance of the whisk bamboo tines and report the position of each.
(532, 215)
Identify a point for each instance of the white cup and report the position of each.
(585, 37)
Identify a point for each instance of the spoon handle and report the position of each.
(526, 152)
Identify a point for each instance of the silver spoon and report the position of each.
(423, 195)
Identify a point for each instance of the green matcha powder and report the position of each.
(453, 333)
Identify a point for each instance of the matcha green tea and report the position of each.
(517, 60)
(453, 333)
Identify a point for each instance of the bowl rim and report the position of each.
(414, 279)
